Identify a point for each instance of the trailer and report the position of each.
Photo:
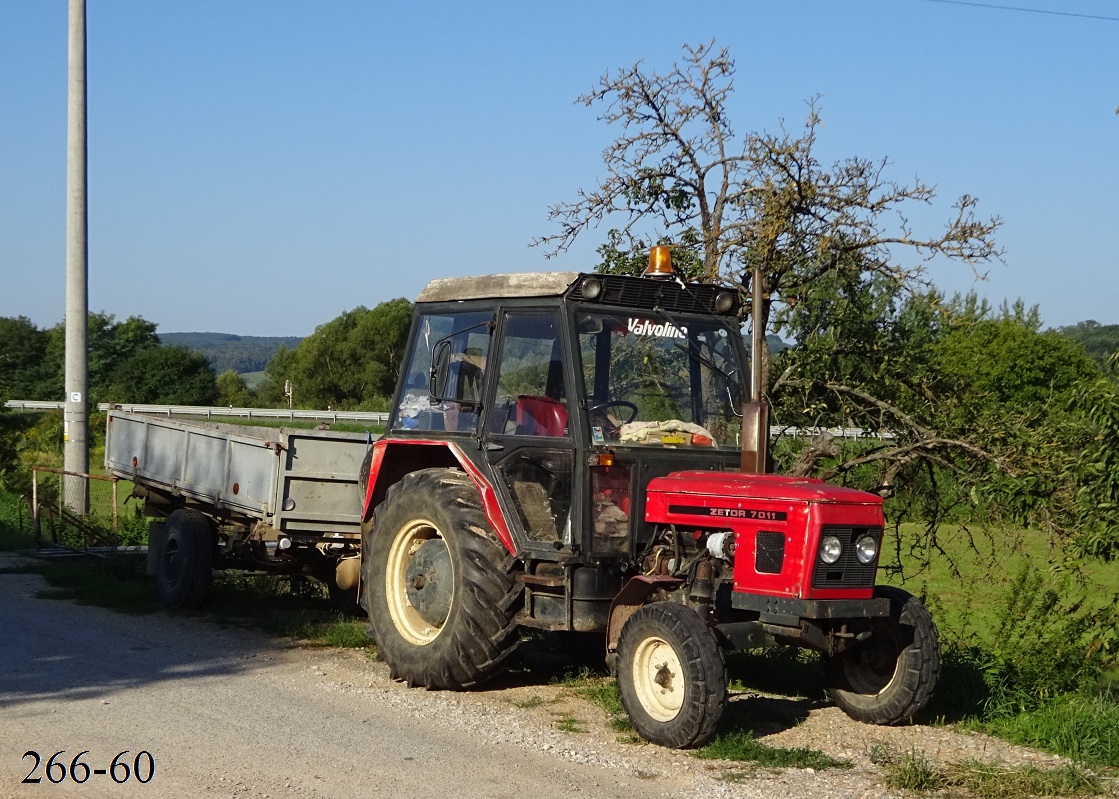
(226, 496)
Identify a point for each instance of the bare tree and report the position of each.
(678, 173)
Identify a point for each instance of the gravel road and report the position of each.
(233, 713)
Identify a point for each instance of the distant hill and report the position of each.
(229, 351)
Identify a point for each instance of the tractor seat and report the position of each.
(540, 416)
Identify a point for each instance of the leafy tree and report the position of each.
(352, 361)
(9, 437)
(1100, 341)
(165, 376)
(24, 369)
(279, 369)
(232, 390)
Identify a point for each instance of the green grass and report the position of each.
(285, 606)
(603, 691)
(1085, 728)
(914, 772)
(15, 526)
(253, 379)
(740, 745)
(967, 581)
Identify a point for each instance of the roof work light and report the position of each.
(660, 263)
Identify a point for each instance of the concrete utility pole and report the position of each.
(76, 419)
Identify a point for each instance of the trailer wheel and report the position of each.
(439, 585)
(891, 676)
(185, 559)
(671, 675)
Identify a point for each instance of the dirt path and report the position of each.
(229, 712)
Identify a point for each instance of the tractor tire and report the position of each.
(672, 675)
(439, 585)
(185, 560)
(891, 676)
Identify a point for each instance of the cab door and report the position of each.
(529, 429)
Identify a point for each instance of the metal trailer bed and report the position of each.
(303, 483)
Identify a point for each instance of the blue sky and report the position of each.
(259, 167)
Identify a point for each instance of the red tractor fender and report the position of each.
(391, 459)
(630, 599)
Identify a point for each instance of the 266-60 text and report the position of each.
(57, 770)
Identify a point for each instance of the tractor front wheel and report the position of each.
(671, 675)
(439, 585)
(890, 676)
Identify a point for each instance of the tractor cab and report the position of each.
(568, 392)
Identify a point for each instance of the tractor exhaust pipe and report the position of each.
(755, 413)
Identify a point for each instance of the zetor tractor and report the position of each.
(573, 452)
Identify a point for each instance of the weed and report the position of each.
(913, 772)
(569, 724)
(528, 704)
(603, 692)
(741, 745)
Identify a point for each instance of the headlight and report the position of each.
(866, 549)
(591, 288)
(830, 549)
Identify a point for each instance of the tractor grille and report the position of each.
(639, 292)
(769, 553)
(847, 572)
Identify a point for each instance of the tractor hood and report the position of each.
(767, 487)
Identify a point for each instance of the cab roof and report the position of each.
(518, 284)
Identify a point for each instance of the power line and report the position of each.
(1027, 10)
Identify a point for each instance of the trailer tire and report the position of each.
(891, 676)
(671, 675)
(185, 560)
(437, 629)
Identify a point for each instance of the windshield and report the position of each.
(652, 380)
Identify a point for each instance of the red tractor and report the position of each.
(578, 452)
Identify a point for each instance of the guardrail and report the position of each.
(221, 411)
(379, 417)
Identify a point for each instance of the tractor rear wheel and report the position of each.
(184, 563)
(671, 675)
(439, 585)
(890, 676)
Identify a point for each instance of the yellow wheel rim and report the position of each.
(658, 679)
(413, 627)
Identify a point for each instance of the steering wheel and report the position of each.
(600, 409)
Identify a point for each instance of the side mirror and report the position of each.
(437, 380)
(455, 377)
